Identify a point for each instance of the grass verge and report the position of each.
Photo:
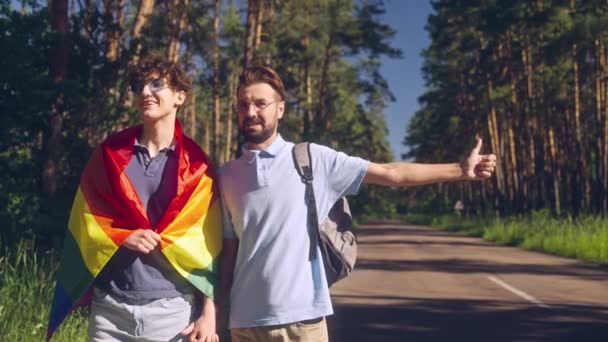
(27, 282)
(585, 238)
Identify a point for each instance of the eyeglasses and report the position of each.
(155, 85)
(259, 105)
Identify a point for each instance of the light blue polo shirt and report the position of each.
(263, 202)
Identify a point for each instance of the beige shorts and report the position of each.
(304, 331)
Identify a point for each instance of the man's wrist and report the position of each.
(208, 306)
(462, 169)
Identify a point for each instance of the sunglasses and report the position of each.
(155, 85)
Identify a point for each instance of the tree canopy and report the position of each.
(530, 78)
(65, 90)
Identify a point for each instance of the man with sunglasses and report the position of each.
(276, 292)
(153, 195)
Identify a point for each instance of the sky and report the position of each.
(404, 76)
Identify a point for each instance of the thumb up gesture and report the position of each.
(478, 166)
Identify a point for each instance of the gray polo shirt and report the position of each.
(135, 277)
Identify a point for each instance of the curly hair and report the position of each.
(156, 66)
(262, 74)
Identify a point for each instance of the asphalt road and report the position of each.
(413, 283)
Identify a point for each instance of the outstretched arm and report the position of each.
(475, 167)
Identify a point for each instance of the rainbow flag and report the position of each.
(107, 210)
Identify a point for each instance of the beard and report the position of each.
(257, 137)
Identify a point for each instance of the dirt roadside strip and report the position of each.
(414, 283)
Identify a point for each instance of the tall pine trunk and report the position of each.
(190, 105)
(229, 142)
(113, 10)
(178, 10)
(254, 14)
(581, 185)
(493, 133)
(216, 154)
(529, 125)
(602, 124)
(146, 7)
(322, 120)
(141, 19)
(553, 163)
(307, 77)
(58, 70)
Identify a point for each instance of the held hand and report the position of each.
(202, 330)
(143, 240)
(478, 166)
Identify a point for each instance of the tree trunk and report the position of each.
(602, 119)
(511, 124)
(58, 70)
(259, 18)
(601, 141)
(88, 18)
(120, 21)
(307, 78)
(308, 110)
(178, 10)
(529, 126)
(189, 112)
(216, 154)
(206, 135)
(192, 116)
(598, 97)
(269, 29)
(581, 165)
(143, 15)
(322, 121)
(253, 14)
(493, 133)
(555, 170)
(113, 15)
(114, 20)
(230, 145)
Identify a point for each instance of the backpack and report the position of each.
(334, 235)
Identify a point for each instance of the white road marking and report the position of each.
(518, 292)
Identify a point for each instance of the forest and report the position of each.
(64, 81)
(529, 77)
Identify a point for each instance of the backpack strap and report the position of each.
(302, 161)
(303, 164)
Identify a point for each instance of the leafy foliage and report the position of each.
(529, 77)
(327, 51)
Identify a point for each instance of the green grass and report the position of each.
(585, 238)
(27, 282)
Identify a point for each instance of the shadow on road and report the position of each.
(403, 231)
(391, 236)
(460, 320)
(466, 266)
(398, 242)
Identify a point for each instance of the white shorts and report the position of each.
(159, 320)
